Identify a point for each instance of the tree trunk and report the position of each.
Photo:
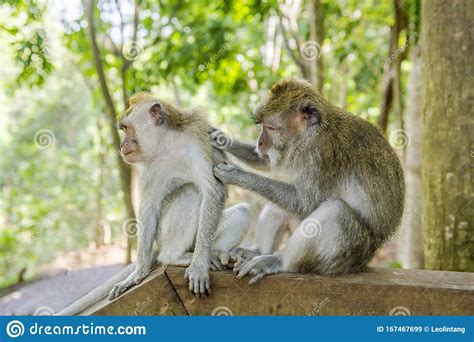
(448, 70)
(411, 232)
(99, 227)
(316, 25)
(392, 64)
(125, 173)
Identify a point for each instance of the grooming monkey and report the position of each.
(273, 221)
(336, 172)
(181, 202)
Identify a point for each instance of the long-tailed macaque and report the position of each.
(181, 202)
(336, 173)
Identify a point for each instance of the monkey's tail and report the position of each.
(98, 293)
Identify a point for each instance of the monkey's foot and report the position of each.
(259, 267)
(236, 256)
(244, 253)
(215, 262)
(133, 279)
(198, 277)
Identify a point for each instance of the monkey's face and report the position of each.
(281, 134)
(141, 132)
(289, 115)
(130, 148)
(271, 140)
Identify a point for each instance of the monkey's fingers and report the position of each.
(191, 286)
(115, 292)
(224, 258)
(216, 264)
(197, 288)
(112, 293)
(118, 289)
(229, 259)
(257, 277)
(202, 288)
(238, 264)
(244, 270)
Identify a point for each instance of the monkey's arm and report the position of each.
(212, 204)
(285, 195)
(147, 229)
(246, 153)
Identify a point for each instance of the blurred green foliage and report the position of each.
(207, 54)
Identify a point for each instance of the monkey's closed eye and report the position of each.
(271, 128)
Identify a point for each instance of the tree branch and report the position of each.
(296, 59)
(125, 173)
(395, 59)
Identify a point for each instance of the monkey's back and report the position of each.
(379, 171)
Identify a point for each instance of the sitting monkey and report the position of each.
(337, 174)
(181, 202)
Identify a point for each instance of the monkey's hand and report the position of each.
(228, 173)
(198, 277)
(219, 139)
(133, 279)
(259, 267)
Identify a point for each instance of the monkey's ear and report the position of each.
(311, 114)
(156, 113)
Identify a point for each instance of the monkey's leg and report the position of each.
(270, 228)
(233, 227)
(232, 230)
(148, 219)
(332, 240)
(211, 209)
(214, 261)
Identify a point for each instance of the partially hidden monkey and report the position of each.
(334, 171)
(181, 202)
